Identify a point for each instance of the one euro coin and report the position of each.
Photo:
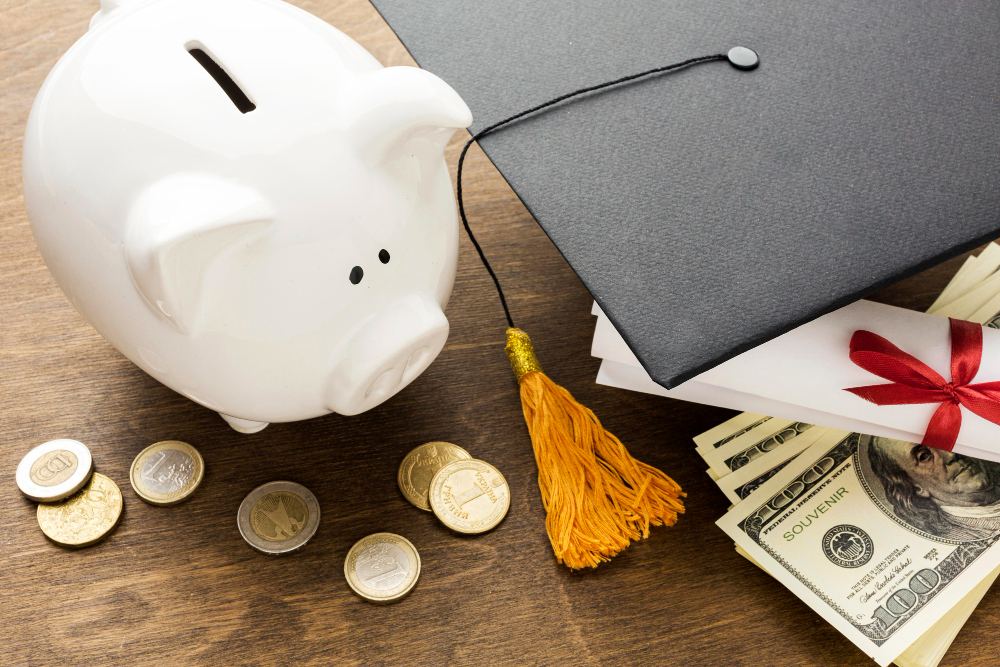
(382, 567)
(167, 472)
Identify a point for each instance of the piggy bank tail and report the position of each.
(597, 496)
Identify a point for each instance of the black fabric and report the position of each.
(710, 210)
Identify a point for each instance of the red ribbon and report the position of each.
(913, 381)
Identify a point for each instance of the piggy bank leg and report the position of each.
(244, 425)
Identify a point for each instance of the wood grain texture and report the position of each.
(179, 586)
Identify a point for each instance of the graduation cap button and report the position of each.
(741, 57)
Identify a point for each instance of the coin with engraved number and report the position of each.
(469, 496)
(382, 568)
(419, 466)
(278, 517)
(83, 518)
(167, 472)
(54, 470)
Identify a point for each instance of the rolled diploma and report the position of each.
(802, 375)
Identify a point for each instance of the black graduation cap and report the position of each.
(710, 210)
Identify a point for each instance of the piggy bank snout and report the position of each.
(386, 353)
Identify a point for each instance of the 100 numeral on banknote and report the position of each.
(881, 537)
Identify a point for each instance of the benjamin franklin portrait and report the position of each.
(940, 493)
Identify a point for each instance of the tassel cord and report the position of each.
(597, 498)
(527, 112)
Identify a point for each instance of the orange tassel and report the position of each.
(597, 496)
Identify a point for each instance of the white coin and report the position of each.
(55, 470)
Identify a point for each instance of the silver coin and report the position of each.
(167, 472)
(54, 470)
(179, 465)
(382, 567)
(278, 517)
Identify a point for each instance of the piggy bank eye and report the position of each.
(383, 256)
(357, 273)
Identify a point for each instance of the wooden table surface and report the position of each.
(179, 585)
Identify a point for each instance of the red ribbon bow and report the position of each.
(913, 381)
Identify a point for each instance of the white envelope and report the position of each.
(802, 375)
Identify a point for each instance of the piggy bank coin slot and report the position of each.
(357, 273)
(226, 82)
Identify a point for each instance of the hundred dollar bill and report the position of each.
(727, 430)
(954, 285)
(972, 302)
(974, 272)
(880, 537)
(989, 314)
(753, 444)
(929, 649)
(739, 484)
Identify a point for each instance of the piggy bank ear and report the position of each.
(390, 106)
(177, 228)
(108, 6)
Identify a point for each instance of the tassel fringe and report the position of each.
(597, 496)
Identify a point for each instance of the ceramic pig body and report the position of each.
(275, 263)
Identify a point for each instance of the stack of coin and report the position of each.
(465, 494)
(77, 506)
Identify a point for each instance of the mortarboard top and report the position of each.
(710, 210)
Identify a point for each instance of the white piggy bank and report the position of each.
(247, 205)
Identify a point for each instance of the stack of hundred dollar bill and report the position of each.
(892, 542)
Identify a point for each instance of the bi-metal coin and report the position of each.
(382, 568)
(419, 466)
(167, 472)
(278, 517)
(84, 518)
(469, 496)
(54, 470)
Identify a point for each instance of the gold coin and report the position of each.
(382, 568)
(85, 517)
(419, 466)
(469, 496)
(278, 517)
(167, 472)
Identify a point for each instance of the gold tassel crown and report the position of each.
(597, 496)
